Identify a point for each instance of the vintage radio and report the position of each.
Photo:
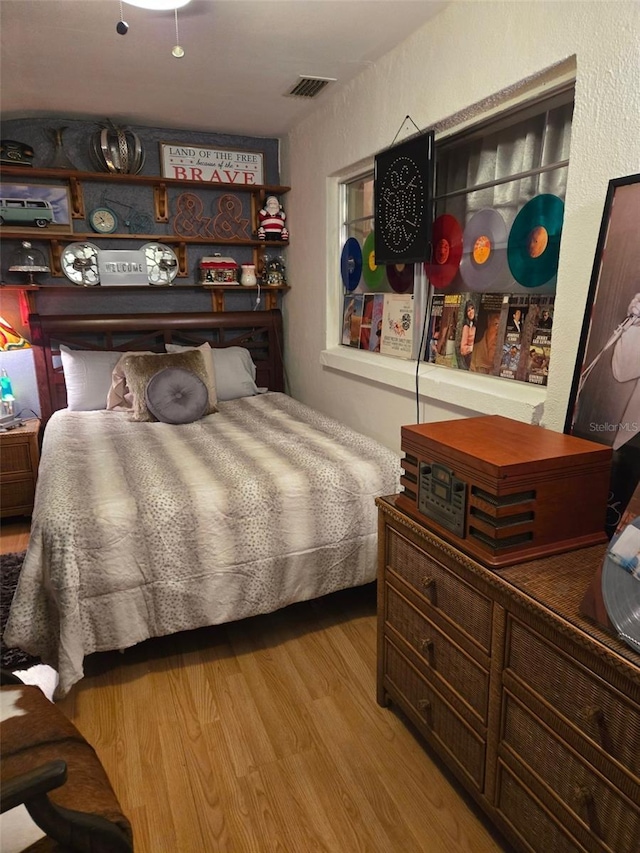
(502, 491)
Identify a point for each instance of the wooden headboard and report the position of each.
(258, 331)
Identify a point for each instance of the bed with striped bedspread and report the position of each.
(145, 529)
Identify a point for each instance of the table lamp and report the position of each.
(10, 340)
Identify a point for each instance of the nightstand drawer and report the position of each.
(17, 498)
(19, 458)
(439, 654)
(15, 458)
(604, 716)
(443, 590)
(438, 721)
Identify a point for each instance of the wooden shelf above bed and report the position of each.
(156, 211)
(268, 294)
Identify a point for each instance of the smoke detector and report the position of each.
(309, 87)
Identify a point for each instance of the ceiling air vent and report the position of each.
(309, 87)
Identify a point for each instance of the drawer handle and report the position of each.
(584, 801)
(592, 714)
(429, 585)
(424, 706)
(582, 796)
(426, 646)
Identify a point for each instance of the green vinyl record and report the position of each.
(534, 241)
(375, 275)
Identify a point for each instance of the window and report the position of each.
(500, 176)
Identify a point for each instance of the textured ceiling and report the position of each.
(64, 58)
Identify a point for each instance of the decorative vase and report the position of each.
(60, 159)
(248, 277)
(116, 149)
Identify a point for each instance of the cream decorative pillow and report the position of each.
(139, 369)
(232, 367)
(119, 396)
(206, 351)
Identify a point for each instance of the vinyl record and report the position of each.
(484, 247)
(534, 240)
(374, 274)
(351, 264)
(400, 277)
(446, 237)
(621, 595)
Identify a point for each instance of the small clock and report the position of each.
(79, 263)
(103, 220)
(162, 263)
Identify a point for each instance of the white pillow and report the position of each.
(87, 376)
(235, 372)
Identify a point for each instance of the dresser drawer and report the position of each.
(451, 596)
(603, 716)
(439, 654)
(529, 819)
(438, 721)
(602, 810)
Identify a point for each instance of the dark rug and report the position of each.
(11, 659)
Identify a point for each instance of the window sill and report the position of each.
(488, 395)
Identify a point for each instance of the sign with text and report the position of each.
(122, 267)
(185, 162)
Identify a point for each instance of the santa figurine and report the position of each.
(271, 221)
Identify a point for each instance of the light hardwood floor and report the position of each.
(264, 736)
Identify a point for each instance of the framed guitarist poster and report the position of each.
(403, 201)
(604, 404)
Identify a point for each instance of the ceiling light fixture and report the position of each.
(176, 50)
(122, 27)
(159, 5)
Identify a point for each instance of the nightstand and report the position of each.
(19, 457)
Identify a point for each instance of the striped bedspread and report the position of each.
(145, 529)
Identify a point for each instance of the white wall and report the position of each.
(470, 51)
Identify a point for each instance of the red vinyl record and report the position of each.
(446, 237)
(400, 277)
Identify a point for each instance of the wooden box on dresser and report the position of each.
(19, 458)
(533, 707)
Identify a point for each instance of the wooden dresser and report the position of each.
(533, 707)
(19, 458)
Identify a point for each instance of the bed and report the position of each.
(145, 528)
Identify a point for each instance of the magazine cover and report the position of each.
(397, 325)
(352, 320)
(510, 360)
(446, 348)
(376, 303)
(435, 326)
(541, 308)
(365, 324)
(467, 328)
(516, 318)
(485, 357)
(539, 349)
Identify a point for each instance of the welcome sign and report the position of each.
(185, 162)
(122, 267)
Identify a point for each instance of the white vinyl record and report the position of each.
(621, 594)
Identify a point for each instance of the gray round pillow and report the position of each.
(175, 395)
